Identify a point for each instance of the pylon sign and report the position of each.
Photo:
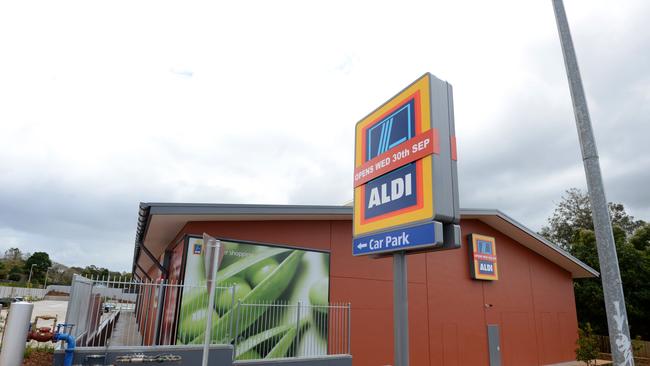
(405, 170)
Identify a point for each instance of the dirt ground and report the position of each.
(57, 293)
(39, 358)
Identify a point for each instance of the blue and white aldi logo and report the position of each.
(391, 192)
(197, 248)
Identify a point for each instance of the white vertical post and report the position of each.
(212, 247)
(15, 334)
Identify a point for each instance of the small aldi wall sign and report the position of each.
(483, 254)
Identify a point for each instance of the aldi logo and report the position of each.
(391, 192)
(483, 257)
(393, 179)
(392, 130)
(197, 249)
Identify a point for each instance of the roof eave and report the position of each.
(494, 212)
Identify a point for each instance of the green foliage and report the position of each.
(13, 254)
(587, 343)
(15, 266)
(570, 226)
(31, 349)
(641, 238)
(40, 262)
(573, 213)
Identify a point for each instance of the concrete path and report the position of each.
(126, 331)
(580, 363)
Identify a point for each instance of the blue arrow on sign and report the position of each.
(421, 236)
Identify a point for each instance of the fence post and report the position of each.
(232, 308)
(349, 327)
(295, 344)
(234, 342)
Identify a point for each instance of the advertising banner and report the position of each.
(276, 276)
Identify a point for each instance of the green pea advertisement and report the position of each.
(270, 301)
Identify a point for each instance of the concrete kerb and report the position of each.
(191, 355)
(334, 360)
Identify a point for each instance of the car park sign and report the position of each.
(405, 164)
(408, 238)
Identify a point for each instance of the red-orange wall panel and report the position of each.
(532, 302)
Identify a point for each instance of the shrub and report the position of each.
(587, 350)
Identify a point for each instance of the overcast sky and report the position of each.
(107, 104)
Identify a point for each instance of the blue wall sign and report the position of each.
(427, 235)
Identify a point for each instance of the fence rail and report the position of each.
(7, 291)
(291, 330)
(162, 313)
(639, 348)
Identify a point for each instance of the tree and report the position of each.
(641, 238)
(15, 274)
(573, 213)
(41, 262)
(13, 254)
(571, 227)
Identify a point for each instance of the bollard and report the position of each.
(15, 334)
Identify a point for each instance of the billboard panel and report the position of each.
(260, 274)
(405, 166)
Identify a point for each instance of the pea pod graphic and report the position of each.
(256, 273)
(318, 295)
(224, 299)
(242, 265)
(267, 290)
(195, 323)
(259, 338)
(282, 347)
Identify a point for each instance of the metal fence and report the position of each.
(639, 348)
(7, 291)
(111, 312)
(105, 312)
(275, 330)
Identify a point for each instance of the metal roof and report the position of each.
(184, 212)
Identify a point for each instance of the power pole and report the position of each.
(29, 281)
(619, 333)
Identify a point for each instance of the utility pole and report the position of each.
(619, 333)
(48, 270)
(29, 280)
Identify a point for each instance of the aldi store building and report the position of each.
(524, 307)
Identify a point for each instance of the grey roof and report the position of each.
(308, 212)
(469, 212)
(158, 208)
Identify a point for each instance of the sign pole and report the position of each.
(406, 186)
(619, 333)
(400, 310)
